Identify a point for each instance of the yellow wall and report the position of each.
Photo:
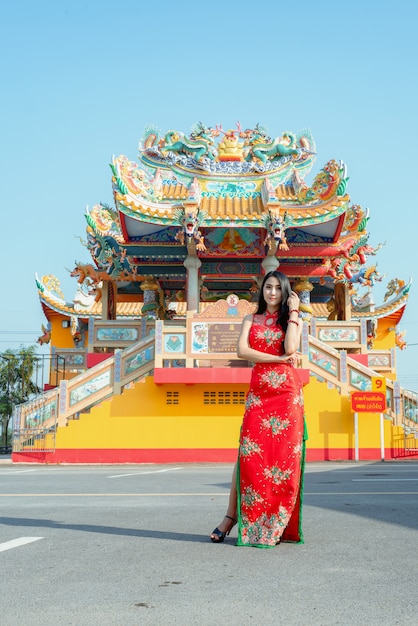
(142, 418)
(331, 422)
(61, 337)
(385, 339)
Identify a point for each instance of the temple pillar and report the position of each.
(192, 265)
(109, 299)
(150, 288)
(303, 288)
(342, 301)
(269, 264)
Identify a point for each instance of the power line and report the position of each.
(18, 332)
(16, 341)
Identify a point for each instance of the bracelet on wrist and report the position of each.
(293, 322)
(294, 311)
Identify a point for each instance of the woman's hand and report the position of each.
(290, 359)
(293, 301)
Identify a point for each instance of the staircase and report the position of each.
(36, 421)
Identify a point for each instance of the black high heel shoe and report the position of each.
(221, 534)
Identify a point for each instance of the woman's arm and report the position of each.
(294, 325)
(255, 356)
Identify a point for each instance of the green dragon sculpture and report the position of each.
(199, 145)
(261, 147)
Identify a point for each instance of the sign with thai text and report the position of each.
(223, 337)
(368, 402)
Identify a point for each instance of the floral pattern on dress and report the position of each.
(273, 379)
(250, 497)
(271, 444)
(298, 400)
(275, 424)
(252, 400)
(270, 336)
(249, 447)
(277, 475)
(297, 449)
(266, 529)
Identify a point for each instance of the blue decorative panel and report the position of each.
(90, 387)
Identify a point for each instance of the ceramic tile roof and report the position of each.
(238, 208)
(235, 208)
(173, 190)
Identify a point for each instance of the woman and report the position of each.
(265, 496)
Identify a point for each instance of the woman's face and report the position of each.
(272, 293)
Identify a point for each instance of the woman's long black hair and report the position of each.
(283, 316)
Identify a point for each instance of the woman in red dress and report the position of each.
(265, 496)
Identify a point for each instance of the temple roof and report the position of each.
(230, 198)
(53, 303)
(229, 203)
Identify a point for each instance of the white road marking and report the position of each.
(360, 493)
(110, 495)
(169, 469)
(13, 471)
(15, 543)
(382, 480)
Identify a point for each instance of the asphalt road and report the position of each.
(128, 545)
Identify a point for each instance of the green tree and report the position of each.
(17, 368)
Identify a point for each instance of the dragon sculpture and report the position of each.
(261, 147)
(189, 233)
(365, 276)
(130, 178)
(199, 144)
(356, 219)
(275, 226)
(394, 287)
(400, 340)
(345, 271)
(330, 181)
(46, 335)
(257, 150)
(87, 271)
(357, 251)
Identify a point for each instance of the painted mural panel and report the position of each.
(74, 360)
(200, 338)
(323, 360)
(360, 381)
(117, 334)
(41, 414)
(233, 240)
(137, 360)
(350, 335)
(379, 360)
(174, 342)
(90, 387)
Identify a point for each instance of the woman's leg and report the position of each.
(232, 502)
(231, 511)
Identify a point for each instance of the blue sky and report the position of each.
(81, 80)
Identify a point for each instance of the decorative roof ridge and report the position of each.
(142, 202)
(380, 311)
(396, 288)
(95, 310)
(197, 154)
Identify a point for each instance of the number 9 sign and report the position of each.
(379, 384)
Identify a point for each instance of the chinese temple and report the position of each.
(173, 266)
